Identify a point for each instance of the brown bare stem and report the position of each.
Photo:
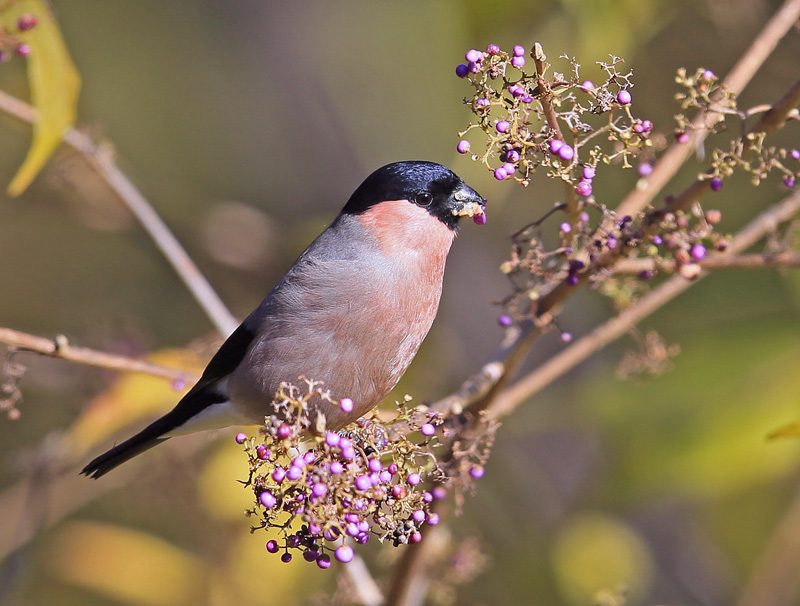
(766, 260)
(748, 65)
(126, 191)
(61, 348)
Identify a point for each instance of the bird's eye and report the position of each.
(423, 198)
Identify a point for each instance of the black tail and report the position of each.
(194, 402)
(144, 440)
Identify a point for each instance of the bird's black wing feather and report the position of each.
(202, 395)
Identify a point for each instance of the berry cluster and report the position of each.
(512, 105)
(349, 486)
(10, 40)
(530, 117)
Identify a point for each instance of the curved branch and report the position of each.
(61, 348)
(164, 239)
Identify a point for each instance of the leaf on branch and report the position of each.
(54, 83)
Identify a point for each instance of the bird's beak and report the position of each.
(467, 202)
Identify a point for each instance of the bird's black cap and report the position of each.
(427, 184)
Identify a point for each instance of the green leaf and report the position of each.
(54, 83)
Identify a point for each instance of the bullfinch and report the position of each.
(351, 312)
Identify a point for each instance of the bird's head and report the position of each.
(424, 185)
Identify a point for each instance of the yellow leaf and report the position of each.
(130, 398)
(129, 566)
(54, 83)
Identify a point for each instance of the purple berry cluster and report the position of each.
(11, 42)
(510, 102)
(348, 487)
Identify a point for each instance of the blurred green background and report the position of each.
(247, 125)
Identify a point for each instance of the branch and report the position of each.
(764, 260)
(748, 65)
(616, 327)
(60, 348)
(103, 164)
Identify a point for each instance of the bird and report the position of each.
(350, 313)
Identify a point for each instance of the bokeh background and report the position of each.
(247, 124)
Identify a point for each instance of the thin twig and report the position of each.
(149, 219)
(764, 260)
(61, 348)
(748, 65)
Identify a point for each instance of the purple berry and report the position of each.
(385, 476)
(26, 22)
(709, 75)
(294, 473)
(332, 438)
(492, 49)
(433, 519)
(473, 68)
(474, 56)
(698, 252)
(555, 145)
(241, 438)
(286, 557)
(336, 468)
(362, 537)
(399, 491)
(503, 126)
(566, 152)
(516, 90)
(349, 453)
(565, 227)
(504, 320)
(480, 218)
(682, 137)
(415, 537)
(272, 546)
(346, 404)
(647, 126)
(427, 429)
(512, 156)
(483, 102)
(716, 184)
(23, 50)
(363, 483)
(393, 469)
(476, 471)
(795, 153)
(589, 173)
(645, 168)
(375, 465)
(344, 554)
(509, 168)
(309, 555)
(500, 174)
(518, 62)
(519, 51)
(462, 71)
(279, 474)
(584, 188)
(418, 516)
(623, 97)
(414, 479)
(284, 431)
(788, 181)
(324, 561)
(463, 146)
(587, 85)
(566, 337)
(319, 489)
(309, 457)
(439, 492)
(267, 499)
(262, 452)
